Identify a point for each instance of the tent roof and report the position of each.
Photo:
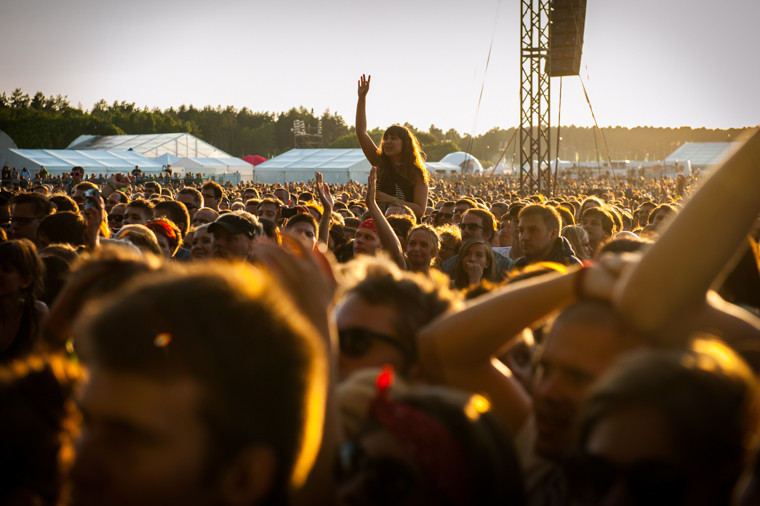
(701, 154)
(177, 144)
(317, 159)
(460, 159)
(212, 163)
(6, 141)
(92, 161)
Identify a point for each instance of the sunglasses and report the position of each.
(190, 207)
(387, 480)
(448, 216)
(471, 226)
(356, 341)
(648, 482)
(116, 217)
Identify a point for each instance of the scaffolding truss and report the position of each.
(535, 172)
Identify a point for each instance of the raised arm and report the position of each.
(365, 141)
(673, 277)
(388, 238)
(327, 206)
(458, 349)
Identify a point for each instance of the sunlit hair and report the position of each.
(37, 428)
(142, 237)
(575, 235)
(416, 299)
(431, 233)
(239, 407)
(168, 229)
(412, 156)
(710, 405)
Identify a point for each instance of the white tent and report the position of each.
(467, 163)
(336, 166)
(219, 169)
(58, 161)
(300, 165)
(178, 144)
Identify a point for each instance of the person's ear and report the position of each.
(250, 477)
(553, 233)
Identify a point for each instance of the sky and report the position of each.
(645, 63)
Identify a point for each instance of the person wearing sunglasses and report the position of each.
(478, 224)
(379, 315)
(28, 210)
(116, 217)
(445, 214)
(192, 199)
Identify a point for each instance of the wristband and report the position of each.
(394, 201)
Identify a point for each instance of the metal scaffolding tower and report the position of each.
(535, 173)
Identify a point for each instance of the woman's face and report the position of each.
(201, 244)
(163, 243)
(11, 281)
(477, 253)
(393, 146)
(420, 249)
(587, 245)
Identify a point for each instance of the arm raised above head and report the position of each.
(365, 141)
(674, 275)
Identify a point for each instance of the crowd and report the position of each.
(408, 341)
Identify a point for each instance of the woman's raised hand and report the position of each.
(364, 85)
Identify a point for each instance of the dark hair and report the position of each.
(123, 197)
(487, 220)
(547, 213)
(41, 204)
(146, 207)
(710, 404)
(85, 185)
(153, 184)
(624, 244)
(36, 426)
(412, 156)
(215, 187)
(64, 203)
(303, 218)
(21, 255)
(57, 259)
(415, 298)
(63, 227)
(401, 225)
(177, 212)
(489, 272)
(238, 406)
(608, 224)
(197, 197)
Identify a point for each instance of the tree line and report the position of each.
(52, 122)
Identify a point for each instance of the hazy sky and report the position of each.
(648, 62)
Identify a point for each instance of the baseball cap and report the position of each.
(237, 222)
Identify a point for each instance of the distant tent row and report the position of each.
(341, 166)
(59, 161)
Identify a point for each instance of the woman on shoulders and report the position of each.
(402, 176)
